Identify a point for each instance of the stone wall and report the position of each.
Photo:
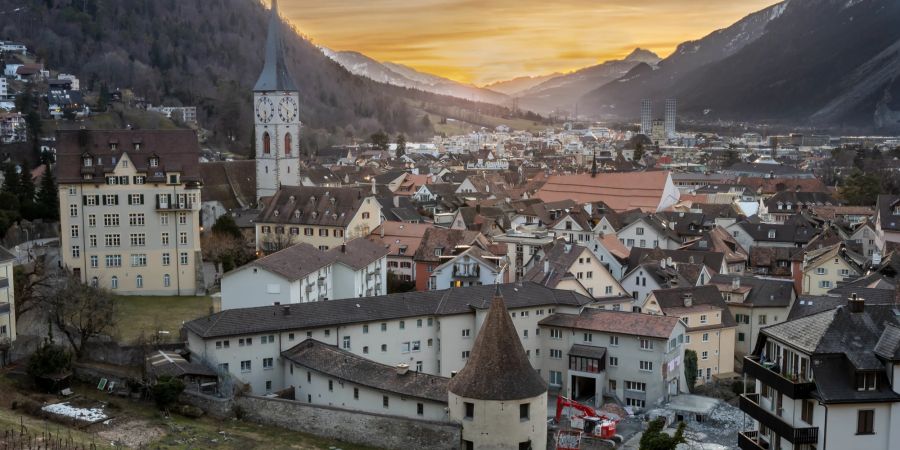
(218, 407)
(355, 427)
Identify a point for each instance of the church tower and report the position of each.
(276, 109)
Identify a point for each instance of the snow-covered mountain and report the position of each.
(405, 76)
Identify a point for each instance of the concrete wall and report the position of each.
(350, 426)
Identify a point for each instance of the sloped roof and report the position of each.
(304, 205)
(267, 319)
(764, 291)
(617, 322)
(344, 365)
(300, 260)
(620, 191)
(400, 234)
(803, 333)
(498, 368)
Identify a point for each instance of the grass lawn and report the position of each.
(145, 315)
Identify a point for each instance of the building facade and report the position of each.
(130, 210)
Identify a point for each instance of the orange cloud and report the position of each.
(489, 40)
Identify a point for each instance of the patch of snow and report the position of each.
(83, 414)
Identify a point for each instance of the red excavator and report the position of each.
(597, 425)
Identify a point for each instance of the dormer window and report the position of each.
(771, 234)
(137, 146)
(154, 162)
(438, 251)
(113, 146)
(173, 178)
(865, 381)
(87, 161)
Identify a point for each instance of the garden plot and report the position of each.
(86, 411)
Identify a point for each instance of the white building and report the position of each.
(472, 267)
(7, 297)
(302, 273)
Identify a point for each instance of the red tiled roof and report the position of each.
(620, 191)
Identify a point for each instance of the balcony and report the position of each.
(174, 206)
(779, 382)
(466, 271)
(749, 440)
(749, 404)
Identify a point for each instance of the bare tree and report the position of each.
(31, 284)
(80, 311)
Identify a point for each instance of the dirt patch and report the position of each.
(131, 433)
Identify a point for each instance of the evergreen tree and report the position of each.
(401, 144)
(225, 225)
(27, 189)
(11, 180)
(380, 140)
(103, 98)
(47, 198)
(690, 369)
(655, 439)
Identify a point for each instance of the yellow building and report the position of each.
(7, 298)
(130, 209)
(824, 268)
(710, 326)
(322, 217)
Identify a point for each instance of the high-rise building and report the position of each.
(646, 120)
(671, 109)
(277, 114)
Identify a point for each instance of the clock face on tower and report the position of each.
(265, 109)
(287, 109)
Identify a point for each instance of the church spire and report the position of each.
(274, 76)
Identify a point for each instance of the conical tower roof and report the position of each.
(274, 76)
(498, 368)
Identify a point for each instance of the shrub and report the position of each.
(166, 391)
(49, 359)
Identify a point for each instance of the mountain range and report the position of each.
(822, 63)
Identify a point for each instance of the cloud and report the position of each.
(488, 40)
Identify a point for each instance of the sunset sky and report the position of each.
(480, 41)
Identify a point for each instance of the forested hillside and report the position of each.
(208, 53)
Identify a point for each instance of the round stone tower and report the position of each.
(499, 399)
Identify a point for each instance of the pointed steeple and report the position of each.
(498, 368)
(274, 76)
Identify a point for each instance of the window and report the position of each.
(865, 421)
(139, 179)
(346, 343)
(365, 329)
(607, 290)
(705, 337)
(702, 319)
(402, 324)
(383, 326)
(638, 403)
(385, 401)
(73, 210)
(635, 386)
(164, 219)
(110, 220)
(825, 284)
(136, 199)
(383, 347)
(807, 412)
(268, 363)
(95, 261)
(524, 411)
(465, 354)
(139, 260)
(74, 231)
(245, 366)
(588, 337)
(365, 215)
(331, 385)
(420, 409)
(76, 251)
(761, 320)
(639, 231)
(287, 144)
(646, 344)
(704, 355)
(821, 271)
(556, 353)
(167, 280)
(138, 239)
(613, 361)
(366, 350)
(555, 333)
(112, 240)
(646, 366)
(182, 219)
(865, 381)
(267, 339)
(164, 239)
(845, 272)
(614, 341)
(113, 260)
(466, 333)
(323, 232)
(418, 323)
(166, 259)
(183, 258)
(741, 337)
(92, 220)
(182, 238)
(136, 219)
(555, 378)
(469, 410)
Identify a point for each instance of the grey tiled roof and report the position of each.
(498, 368)
(764, 292)
(267, 319)
(343, 365)
(300, 260)
(804, 333)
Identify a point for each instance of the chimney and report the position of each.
(546, 266)
(402, 368)
(286, 310)
(688, 299)
(396, 201)
(373, 186)
(344, 248)
(856, 304)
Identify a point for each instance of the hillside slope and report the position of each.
(208, 53)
